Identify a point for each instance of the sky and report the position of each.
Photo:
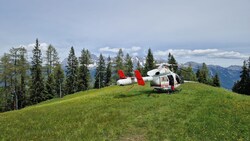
(211, 31)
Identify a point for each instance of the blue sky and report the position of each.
(211, 31)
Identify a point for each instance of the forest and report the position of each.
(25, 83)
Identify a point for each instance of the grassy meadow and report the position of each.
(197, 112)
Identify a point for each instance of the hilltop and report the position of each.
(197, 112)
(228, 75)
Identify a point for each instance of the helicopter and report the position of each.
(161, 78)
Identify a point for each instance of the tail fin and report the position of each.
(121, 74)
(139, 78)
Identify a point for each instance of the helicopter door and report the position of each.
(164, 81)
(177, 79)
(171, 80)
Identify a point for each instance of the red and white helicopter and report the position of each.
(160, 79)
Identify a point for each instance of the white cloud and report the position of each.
(210, 53)
(109, 49)
(132, 50)
(135, 54)
(43, 47)
(229, 55)
(203, 51)
(30, 47)
(135, 48)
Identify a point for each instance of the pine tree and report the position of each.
(59, 79)
(51, 59)
(150, 63)
(198, 74)
(37, 84)
(108, 76)
(236, 86)
(188, 74)
(248, 82)
(50, 87)
(139, 67)
(13, 75)
(72, 73)
(128, 66)
(84, 74)
(203, 77)
(23, 67)
(6, 79)
(244, 79)
(241, 86)
(100, 73)
(119, 63)
(216, 80)
(173, 62)
(14, 58)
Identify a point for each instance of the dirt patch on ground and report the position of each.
(133, 138)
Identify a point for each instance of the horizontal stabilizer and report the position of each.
(138, 76)
(121, 74)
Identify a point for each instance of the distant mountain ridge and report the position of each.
(227, 75)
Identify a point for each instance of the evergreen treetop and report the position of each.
(37, 83)
(72, 73)
(128, 66)
(150, 62)
(100, 73)
(108, 77)
(84, 74)
(216, 80)
(242, 86)
(173, 62)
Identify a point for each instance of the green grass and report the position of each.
(198, 112)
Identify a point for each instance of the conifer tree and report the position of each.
(37, 83)
(198, 75)
(236, 86)
(51, 59)
(128, 66)
(72, 73)
(14, 82)
(242, 85)
(173, 62)
(203, 75)
(216, 80)
(139, 67)
(248, 82)
(6, 79)
(50, 87)
(84, 74)
(188, 74)
(23, 67)
(100, 73)
(150, 63)
(119, 63)
(108, 73)
(59, 79)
